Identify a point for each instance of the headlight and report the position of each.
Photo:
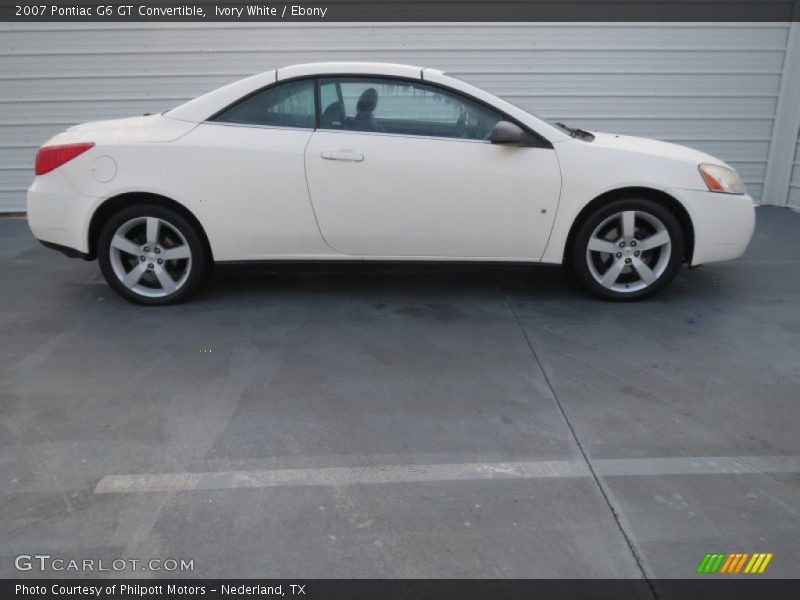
(721, 179)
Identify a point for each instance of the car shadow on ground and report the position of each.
(252, 280)
(532, 283)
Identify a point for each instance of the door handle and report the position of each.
(345, 155)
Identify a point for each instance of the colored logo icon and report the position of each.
(734, 563)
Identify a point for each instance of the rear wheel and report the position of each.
(628, 249)
(151, 255)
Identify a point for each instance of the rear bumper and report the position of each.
(66, 251)
(58, 215)
(723, 224)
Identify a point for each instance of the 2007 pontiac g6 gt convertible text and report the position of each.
(367, 161)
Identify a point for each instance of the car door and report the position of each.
(245, 171)
(401, 168)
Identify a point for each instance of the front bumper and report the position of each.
(723, 223)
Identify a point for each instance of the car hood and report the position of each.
(640, 145)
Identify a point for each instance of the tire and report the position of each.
(627, 250)
(168, 271)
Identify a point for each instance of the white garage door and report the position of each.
(713, 87)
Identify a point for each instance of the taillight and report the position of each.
(52, 157)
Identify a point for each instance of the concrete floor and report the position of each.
(402, 422)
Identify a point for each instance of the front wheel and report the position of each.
(151, 255)
(627, 249)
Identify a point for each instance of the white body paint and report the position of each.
(264, 193)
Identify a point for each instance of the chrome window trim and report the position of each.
(257, 126)
(404, 135)
(350, 131)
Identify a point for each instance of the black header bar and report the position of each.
(401, 11)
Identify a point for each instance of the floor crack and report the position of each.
(627, 536)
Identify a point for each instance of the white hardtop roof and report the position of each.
(351, 68)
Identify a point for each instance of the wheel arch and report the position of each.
(669, 202)
(116, 203)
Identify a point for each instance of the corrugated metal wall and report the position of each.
(794, 184)
(713, 87)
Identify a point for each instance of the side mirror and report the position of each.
(508, 133)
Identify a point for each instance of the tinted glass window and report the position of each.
(284, 105)
(395, 106)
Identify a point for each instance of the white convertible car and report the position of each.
(379, 162)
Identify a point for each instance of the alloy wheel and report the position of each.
(150, 257)
(629, 251)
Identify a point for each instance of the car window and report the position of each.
(286, 105)
(401, 107)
